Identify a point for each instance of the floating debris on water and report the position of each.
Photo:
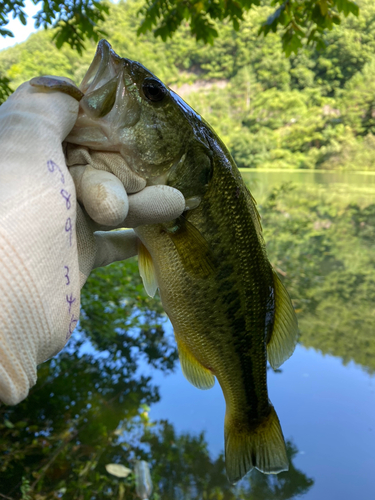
(143, 483)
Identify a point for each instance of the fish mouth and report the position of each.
(105, 66)
(117, 115)
(110, 102)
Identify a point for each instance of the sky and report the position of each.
(20, 32)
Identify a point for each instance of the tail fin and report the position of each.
(247, 446)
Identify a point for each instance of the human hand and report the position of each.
(113, 196)
(44, 255)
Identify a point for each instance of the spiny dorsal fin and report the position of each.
(285, 329)
(192, 248)
(147, 270)
(192, 369)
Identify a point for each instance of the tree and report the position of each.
(299, 20)
(77, 20)
(74, 20)
(88, 398)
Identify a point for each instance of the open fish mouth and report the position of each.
(110, 102)
(105, 66)
(126, 109)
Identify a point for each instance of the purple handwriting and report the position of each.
(69, 229)
(66, 197)
(70, 300)
(67, 275)
(52, 167)
(72, 325)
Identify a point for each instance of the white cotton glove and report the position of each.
(114, 196)
(41, 247)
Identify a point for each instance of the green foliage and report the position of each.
(74, 20)
(5, 90)
(314, 110)
(90, 407)
(321, 242)
(299, 20)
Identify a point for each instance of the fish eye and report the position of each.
(153, 90)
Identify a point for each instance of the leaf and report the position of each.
(118, 470)
(323, 7)
(354, 9)
(4, 32)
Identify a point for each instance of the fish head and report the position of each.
(127, 109)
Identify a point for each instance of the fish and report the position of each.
(229, 310)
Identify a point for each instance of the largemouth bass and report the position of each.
(229, 310)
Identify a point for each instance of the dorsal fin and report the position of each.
(285, 329)
(193, 370)
(147, 270)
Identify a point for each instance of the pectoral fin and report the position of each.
(192, 369)
(192, 248)
(285, 330)
(147, 270)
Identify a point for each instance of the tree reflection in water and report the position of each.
(183, 470)
(321, 240)
(89, 408)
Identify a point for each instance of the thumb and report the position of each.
(30, 114)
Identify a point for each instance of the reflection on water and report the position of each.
(276, 487)
(184, 470)
(262, 181)
(110, 396)
(326, 410)
(320, 233)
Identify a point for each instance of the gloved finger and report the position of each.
(114, 246)
(115, 163)
(56, 84)
(109, 161)
(102, 194)
(86, 245)
(101, 248)
(37, 113)
(153, 205)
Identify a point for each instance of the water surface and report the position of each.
(94, 403)
(325, 402)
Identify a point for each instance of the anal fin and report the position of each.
(193, 370)
(285, 329)
(147, 270)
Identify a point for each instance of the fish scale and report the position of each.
(225, 318)
(229, 310)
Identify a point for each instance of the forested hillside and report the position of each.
(313, 110)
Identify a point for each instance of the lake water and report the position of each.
(90, 405)
(326, 408)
